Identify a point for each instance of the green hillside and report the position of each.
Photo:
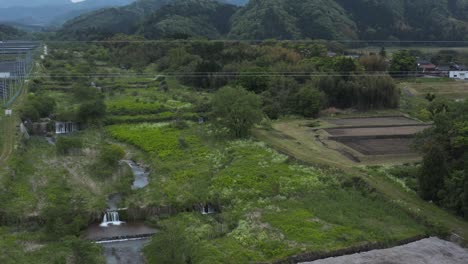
(8, 32)
(280, 19)
(109, 21)
(186, 18)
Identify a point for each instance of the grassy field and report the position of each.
(423, 49)
(443, 88)
(272, 207)
(287, 138)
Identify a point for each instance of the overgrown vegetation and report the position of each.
(259, 192)
(186, 128)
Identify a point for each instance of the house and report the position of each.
(461, 75)
(458, 67)
(443, 70)
(425, 66)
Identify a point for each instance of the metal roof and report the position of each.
(8, 66)
(15, 47)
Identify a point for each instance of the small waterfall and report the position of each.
(207, 209)
(111, 218)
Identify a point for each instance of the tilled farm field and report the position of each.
(374, 121)
(376, 135)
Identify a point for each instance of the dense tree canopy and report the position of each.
(237, 109)
(443, 176)
(279, 19)
(403, 63)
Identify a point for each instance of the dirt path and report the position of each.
(426, 251)
(290, 138)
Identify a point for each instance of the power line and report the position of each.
(255, 41)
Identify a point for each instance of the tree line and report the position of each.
(290, 78)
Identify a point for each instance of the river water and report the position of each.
(140, 174)
(122, 241)
(128, 251)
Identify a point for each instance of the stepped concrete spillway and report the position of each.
(111, 218)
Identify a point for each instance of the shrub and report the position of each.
(108, 160)
(111, 155)
(68, 145)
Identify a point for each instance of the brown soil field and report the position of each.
(372, 136)
(387, 146)
(376, 131)
(374, 121)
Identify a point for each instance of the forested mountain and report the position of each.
(280, 19)
(292, 19)
(409, 19)
(187, 18)
(107, 22)
(9, 32)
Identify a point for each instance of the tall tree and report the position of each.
(309, 101)
(403, 63)
(433, 172)
(237, 109)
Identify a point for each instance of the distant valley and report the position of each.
(34, 15)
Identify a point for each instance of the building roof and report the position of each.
(17, 47)
(8, 66)
(422, 61)
(427, 66)
(443, 68)
(458, 67)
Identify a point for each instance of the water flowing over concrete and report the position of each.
(111, 218)
(427, 251)
(122, 241)
(140, 173)
(207, 209)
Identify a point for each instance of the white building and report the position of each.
(462, 75)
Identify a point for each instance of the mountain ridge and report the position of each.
(285, 19)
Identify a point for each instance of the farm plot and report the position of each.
(399, 131)
(374, 121)
(378, 135)
(442, 88)
(383, 146)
